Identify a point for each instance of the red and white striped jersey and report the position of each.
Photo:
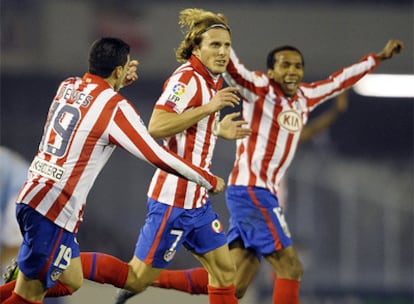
(190, 86)
(277, 120)
(86, 121)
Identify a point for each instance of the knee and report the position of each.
(138, 280)
(291, 267)
(134, 283)
(74, 283)
(223, 276)
(287, 264)
(297, 270)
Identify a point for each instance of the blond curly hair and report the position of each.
(194, 22)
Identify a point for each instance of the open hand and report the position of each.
(228, 128)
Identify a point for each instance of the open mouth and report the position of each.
(291, 85)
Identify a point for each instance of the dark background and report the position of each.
(350, 201)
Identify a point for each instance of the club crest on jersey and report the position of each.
(216, 225)
(169, 255)
(177, 92)
(54, 276)
(290, 120)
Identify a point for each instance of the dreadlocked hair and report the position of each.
(193, 23)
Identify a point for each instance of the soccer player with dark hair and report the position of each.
(87, 119)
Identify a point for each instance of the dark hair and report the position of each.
(271, 56)
(106, 54)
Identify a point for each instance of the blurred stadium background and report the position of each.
(350, 201)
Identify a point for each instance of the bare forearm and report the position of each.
(319, 124)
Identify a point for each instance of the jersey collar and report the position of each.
(215, 82)
(91, 78)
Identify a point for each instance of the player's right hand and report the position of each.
(131, 75)
(226, 97)
(219, 187)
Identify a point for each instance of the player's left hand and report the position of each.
(221, 185)
(228, 128)
(132, 74)
(393, 46)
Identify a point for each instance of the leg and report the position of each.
(6, 290)
(104, 268)
(72, 276)
(98, 267)
(222, 272)
(219, 265)
(29, 289)
(34, 290)
(247, 265)
(70, 281)
(202, 237)
(140, 275)
(286, 263)
(193, 281)
(289, 272)
(44, 256)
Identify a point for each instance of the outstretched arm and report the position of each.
(129, 132)
(343, 79)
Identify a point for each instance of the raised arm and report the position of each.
(343, 79)
(248, 82)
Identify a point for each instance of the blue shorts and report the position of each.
(257, 219)
(166, 228)
(46, 250)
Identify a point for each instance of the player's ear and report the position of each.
(118, 71)
(196, 51)
(270, 73)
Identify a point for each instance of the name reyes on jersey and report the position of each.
(74, 96)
